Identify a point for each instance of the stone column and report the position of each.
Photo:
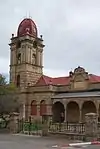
(98, 113)
(14, 123)
(38, 113)
(80, 118)
(38, 57)
(27, 112)
(65, 112)
(91, 126)
(41, 58)
(49, 109)
(45, 128)
(24, 111)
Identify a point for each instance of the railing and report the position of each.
(70, 130)
(67, 128)
(29, 127)
(99, 127)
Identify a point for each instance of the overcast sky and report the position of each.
(70, 28)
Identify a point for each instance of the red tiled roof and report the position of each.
(61, 81)
(45, 80)
(94, 79)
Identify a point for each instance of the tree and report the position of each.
(8, 98)
(2, 80)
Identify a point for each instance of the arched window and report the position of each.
(88, 107)
(58, 112)
(33, 107)
(19, 58)
(18, 44)
(73, 112)
(33, 59)
(18, 81)
(43, 109)
(35, 44)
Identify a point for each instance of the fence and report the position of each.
(81, 131)
(90, 130)
(27, 127)
(99, 130)
(99, 127)
(36, 128)
(66, 128)
(3, 124)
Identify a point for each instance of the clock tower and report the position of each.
(26, 52)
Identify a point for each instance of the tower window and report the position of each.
(35, 44)
(19, 58)
(18, 81)
(33, 59)
(18, 44)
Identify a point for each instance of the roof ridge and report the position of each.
(94, 75)
(56, 77)
(46, 76)
(62, 77)
(45, 79)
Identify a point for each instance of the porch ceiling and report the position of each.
(77, 94)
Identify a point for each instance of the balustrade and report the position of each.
(67, 127)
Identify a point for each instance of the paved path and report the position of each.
(32, 142)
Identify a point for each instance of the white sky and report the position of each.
(71, 32)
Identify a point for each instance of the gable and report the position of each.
(40, 82)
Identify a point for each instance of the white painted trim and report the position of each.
(55, 146)
(78, 144)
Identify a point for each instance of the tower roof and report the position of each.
(27, 26)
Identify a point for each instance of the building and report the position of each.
(66, 98)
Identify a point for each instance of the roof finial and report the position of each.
(26, 14)
(41, 36)
(30, 16)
